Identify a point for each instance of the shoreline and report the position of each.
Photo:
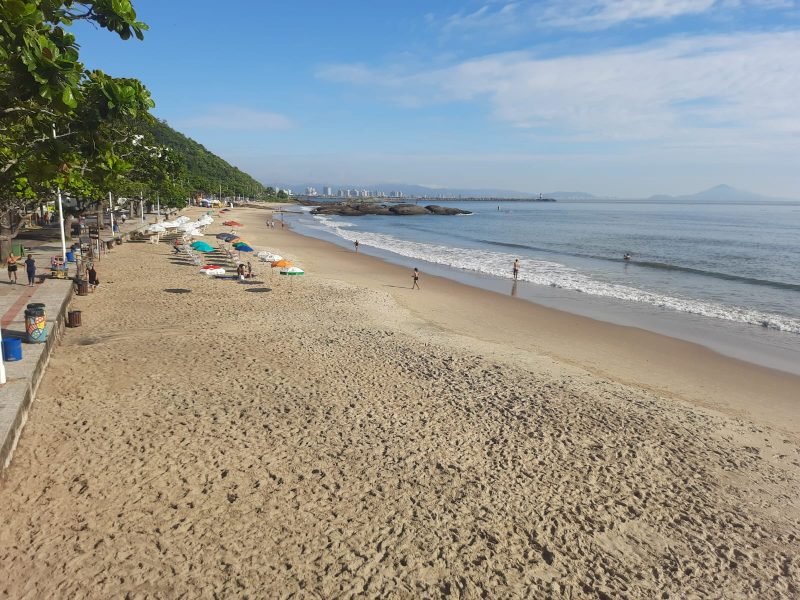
(766, 347)
(630, 355)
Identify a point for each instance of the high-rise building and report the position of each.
(327, 190)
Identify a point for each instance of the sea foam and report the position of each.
(552, 274)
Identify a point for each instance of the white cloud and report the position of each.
(524, 15)
(713, 89)
(236, 118)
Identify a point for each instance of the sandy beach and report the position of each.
(340, 435)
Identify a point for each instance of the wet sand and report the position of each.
(341, 435)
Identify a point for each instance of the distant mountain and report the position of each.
(413, 190)
(719, 193)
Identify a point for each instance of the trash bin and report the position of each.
(74, 318)
(37, 305)
(70, 256)
(109, 244)
(35, 325)
(83, 287)
(12, 349)
(118, 241)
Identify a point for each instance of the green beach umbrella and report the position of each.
(202, 246)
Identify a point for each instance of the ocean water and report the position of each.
(731, 263)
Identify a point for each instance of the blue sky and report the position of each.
(616, 97)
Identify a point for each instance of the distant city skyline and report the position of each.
(613, 97)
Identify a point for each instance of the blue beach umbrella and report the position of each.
(244, 248)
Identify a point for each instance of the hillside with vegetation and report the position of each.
(205, 172)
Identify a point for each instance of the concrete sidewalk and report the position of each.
(23, 377)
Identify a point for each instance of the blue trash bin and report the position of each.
(12, 349)
(70, 257)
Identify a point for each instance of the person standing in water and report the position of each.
(515, 269)
(356, 245)
(415, 278)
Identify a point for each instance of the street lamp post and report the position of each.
(61, 216)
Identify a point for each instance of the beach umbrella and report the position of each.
(233, 224)
(292, 271)
(201, 246)
(243, 248)
(240, 242)
(268, 256)
(181, 220)
(280, 263)
(196, 233)
(225, 237)
(156, 228)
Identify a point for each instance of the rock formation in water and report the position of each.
(371, 208)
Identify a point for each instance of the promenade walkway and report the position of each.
(23, 377)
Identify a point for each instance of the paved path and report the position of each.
(22, 377)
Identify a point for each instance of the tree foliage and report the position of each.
(61, 124)
(83, 131)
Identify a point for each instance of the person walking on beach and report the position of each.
(415, 278)
(91, 273)
(356, 245)
(30, 269)
(11, 264)
(515, 269)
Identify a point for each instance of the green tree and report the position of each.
(42, 84)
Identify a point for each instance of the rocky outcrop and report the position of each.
(408, 209)
(446, 210)
(371, 208)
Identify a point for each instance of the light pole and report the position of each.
(111, 212)
(61, 216)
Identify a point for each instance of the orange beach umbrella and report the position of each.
(281, 263)
(232, 224)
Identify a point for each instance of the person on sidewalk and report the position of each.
(30, 269)
(11, 263)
